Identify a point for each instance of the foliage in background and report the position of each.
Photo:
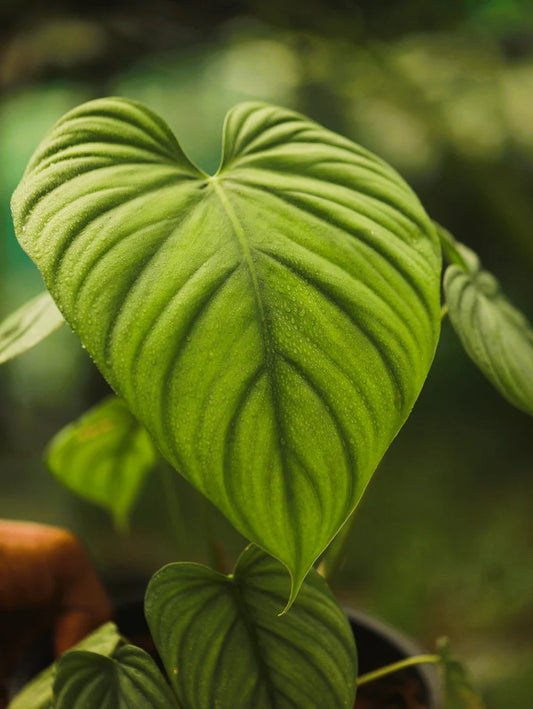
(105, 457)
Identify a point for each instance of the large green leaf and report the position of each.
(495, 334)
(104, 457)
(128, 679)
(38, 694)
(28, 325)
(223, 644)
(271, 325)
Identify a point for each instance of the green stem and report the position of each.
(217, 551)
(444, 311)
(396, 666)
(449, 247)
(172, 504)
(333, 556)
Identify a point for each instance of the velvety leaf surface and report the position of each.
(458, 690)
(496, 335)
(224, 645)
(38, 694)
(104, 457)
(271, 325)
(127, 679)
(28, 325)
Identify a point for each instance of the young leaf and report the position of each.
(38, 693)
(28, 326)
(224, 645)
(271, 325)
(495, 334)
(129, 678)
(455, 252)
(104, 457)
(458, 691)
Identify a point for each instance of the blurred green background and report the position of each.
(443, 90)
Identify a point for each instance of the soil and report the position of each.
(401, 690)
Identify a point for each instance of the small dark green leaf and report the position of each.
(458, 690)
(28, 325)
(496, 335)
(38, 694)
(224, 645)
(104, 457)
(127, 680)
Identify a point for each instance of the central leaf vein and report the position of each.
(264, 670)
(245, 249)
(266, 337)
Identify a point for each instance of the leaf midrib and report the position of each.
(244, 247)
(266, 336)
(262, 665)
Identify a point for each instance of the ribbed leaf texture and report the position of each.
(127, 679)
(104, 457)
(38, 694)
(271, 325)
(224, 646)
(496, 335)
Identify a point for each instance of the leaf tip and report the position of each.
(296, 581)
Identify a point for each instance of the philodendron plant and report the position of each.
(268, 330)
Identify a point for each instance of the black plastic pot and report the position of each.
(377, 644)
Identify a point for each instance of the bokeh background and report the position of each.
(443, 90)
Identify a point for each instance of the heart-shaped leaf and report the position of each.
(271, 325)
(28, 326)
(104, 457)
(223, 644)
(38, 694)
(129, 678)
(495, 334)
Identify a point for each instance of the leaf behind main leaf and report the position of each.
(28, 326)
(271, 325)
(459, 692)
(104, 457)
(496, 335)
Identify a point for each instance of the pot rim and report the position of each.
(428, 673)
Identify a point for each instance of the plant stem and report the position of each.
(396, 666)
(172, 504)
(444, 311)
(333, 555)
(449, 247)
(217, 551)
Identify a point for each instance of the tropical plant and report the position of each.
(268, 330)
